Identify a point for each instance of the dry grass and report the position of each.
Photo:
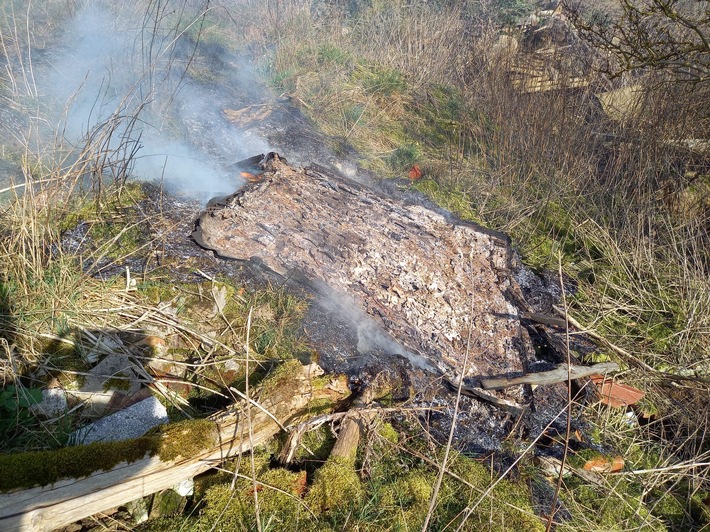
(624, 205)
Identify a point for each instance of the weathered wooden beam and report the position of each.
(68, 500)
(559, 374)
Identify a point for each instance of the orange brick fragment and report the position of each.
(415, 172)
(604, 464)
(615, 394)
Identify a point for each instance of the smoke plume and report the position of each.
(121, 79)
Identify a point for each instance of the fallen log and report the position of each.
(559, 374)
(70, 499)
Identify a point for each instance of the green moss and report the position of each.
(120, 381)
(616, 507)
(700, 509)
(187, 438)
(319, 442)
(667, 507)
(320, 406)
(40, 468)
(65, 352)
(157, 292)
(388, 432)
(181, 439)
(234, 509)
(407, 499)
(336, 485)
(508, 507)
(282, 375)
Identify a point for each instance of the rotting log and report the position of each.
(65, 501)
(560, 374)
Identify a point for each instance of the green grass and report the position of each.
(522, 164)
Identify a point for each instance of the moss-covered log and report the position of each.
(182, 451)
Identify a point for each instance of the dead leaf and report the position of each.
(301, 484)
(220, 296)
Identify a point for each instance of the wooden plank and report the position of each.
(66, 501)
(559, 374)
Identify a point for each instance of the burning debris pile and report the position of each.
(440, 289)
(405, 284)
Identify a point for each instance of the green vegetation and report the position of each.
(393, 495)
(621, 201)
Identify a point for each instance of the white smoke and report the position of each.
(120, 74)
(372, 338)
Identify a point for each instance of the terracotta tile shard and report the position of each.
(604, 464)
(615, 394)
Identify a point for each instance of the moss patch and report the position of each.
(278, 492)
(40, 468)
(187, 438)
(336, 485)
(624, 511)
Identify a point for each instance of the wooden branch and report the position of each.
(559, 374)
(358, 418)
(66, 501)
(355, 424)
